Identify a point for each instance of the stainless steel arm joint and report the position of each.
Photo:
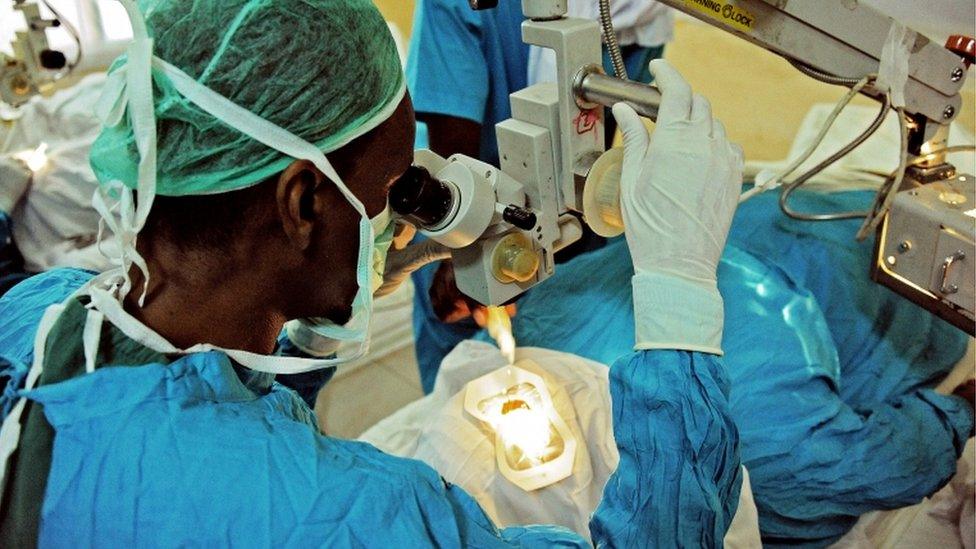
(592, 88)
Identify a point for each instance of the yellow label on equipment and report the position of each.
(724, 11)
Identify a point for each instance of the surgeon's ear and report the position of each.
(300, 207)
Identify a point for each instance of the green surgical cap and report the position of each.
(321, 69)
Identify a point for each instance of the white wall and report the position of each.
(9, 22)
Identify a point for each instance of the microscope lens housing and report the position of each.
(421, 198)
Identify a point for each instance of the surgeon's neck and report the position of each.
(192, 300)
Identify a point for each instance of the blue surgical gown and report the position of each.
(831, 374)
(193, 453)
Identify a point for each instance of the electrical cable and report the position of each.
(817, 141)
(882, 201)
(885, 196)
(946, 150)
(799, 181)
(858, 84)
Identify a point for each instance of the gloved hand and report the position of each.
(450, 305)
(678, 191)
(404, 258)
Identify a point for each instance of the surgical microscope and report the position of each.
(501, 226)
(34, 66)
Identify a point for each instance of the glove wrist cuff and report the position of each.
(671, 312)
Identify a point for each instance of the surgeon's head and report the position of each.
(294, 234)
(231, 210)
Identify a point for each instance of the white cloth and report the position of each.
(14, 180)
(54, 224)
(945, 520)
(437, 431)
(643, 22)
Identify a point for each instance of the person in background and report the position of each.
(461, 67)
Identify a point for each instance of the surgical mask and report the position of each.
(383, 227)
(129, 91)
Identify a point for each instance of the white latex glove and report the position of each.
(678, 191)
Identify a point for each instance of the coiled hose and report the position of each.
(610, 39)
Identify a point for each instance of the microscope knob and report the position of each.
(520, 217)
(963, 46)
(514, 259)
(53, 60)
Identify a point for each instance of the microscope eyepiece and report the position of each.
(53, 59)
(420, 198)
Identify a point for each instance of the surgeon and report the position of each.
(52, 223)
(244, 169)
